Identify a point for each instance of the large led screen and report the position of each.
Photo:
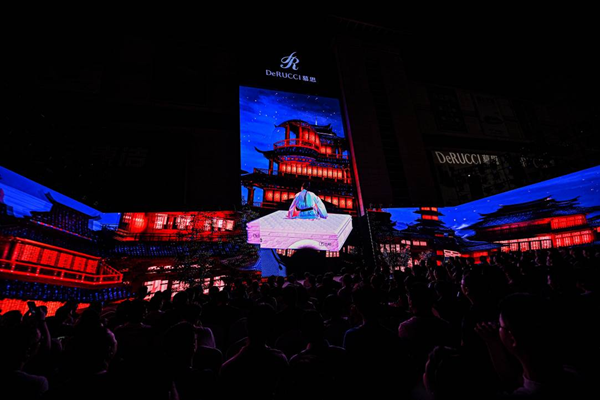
(555, 213)
(296, 170)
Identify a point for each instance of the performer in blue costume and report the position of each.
(307, 205)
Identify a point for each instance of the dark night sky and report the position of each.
(539, 55)
(536, 56)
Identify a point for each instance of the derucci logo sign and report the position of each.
(456, 158)
(464, 158)
(290, 61)
(291, 64)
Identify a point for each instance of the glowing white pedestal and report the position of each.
(275, 231)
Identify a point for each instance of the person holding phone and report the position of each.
(32, 307)
(36, 316)
(18, 345)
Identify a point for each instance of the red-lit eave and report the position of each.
(139, 226)
(296, 143)
(13, 268)
(537, 222)
(34, 243)
(174, 235)
(313, 145)
(52, 280)
(534, 227)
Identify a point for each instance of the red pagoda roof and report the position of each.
(320, 129)
(428, 212)
(532, 210)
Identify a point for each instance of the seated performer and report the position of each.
(307, 205)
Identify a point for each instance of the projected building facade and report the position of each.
(307, 152)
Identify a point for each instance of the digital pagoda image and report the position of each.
(428, 234)
(307, 153)
(52, 249)
(538, 224)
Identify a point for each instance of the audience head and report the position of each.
(92, 350)
(137, 311)
(561, 278)
(366, 302)
(280, 281)
(260, 324)
(588, 279)
(223, 297)
(213, 293)
(88, 320)
(191, 313)
(265, 289)
(474, 286)
(524, 324)
(312, 326)
(420, 298)
(155, 303)
(11, 319)
(180, 344)
(448, 375)
(141, 293)
(180, 300)
(290, 296)
(18, 343)
(347, 280)
(63, 315)
(333, 306)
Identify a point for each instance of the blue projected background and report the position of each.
(22, 196)
(584, 184)
(261, 110)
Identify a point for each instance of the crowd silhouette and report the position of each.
(516, 325)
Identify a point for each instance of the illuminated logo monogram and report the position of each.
(290, 61)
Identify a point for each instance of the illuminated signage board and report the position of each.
(290, 64)
(450, 157)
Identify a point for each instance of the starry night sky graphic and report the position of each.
(585, 184)
(261, 110)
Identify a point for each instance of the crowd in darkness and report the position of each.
(516, 325)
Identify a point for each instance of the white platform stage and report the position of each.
(276, 231)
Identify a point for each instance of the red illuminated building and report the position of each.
(54, 247)
(49, 254)
(314, 153)
(539, 224)
(428, 235)
(174, 226)
(29, 260)
(151, 248)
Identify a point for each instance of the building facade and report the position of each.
(535, 225)
(314, 154)
(51, 250)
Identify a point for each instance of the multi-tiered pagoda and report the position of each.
(429, 235)
(538, 224)
(308, 152)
